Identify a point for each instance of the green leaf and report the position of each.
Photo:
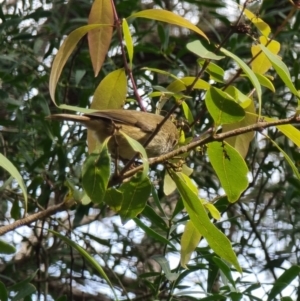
(6, 248)
(163, 262)
(283, 281)
(135, 195)
(113, 198)
(3, 292)
(111, 92)
(150, 232)
(183, 83)
(230, 167)
(222, 107)
(265, 82)
(288, 130)
(168, 17)
(287, 158)
(215, 238)
(95, 174)
(9, 167)
(137, 147)
(225, 269)
(281, 69)
(197, 48)
(241, 142)
(249, 73)
(128, 41)
(216, 72)
(93, 262)
(189, 242)
(26, 290)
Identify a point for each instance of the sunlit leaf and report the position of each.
(168, 17)
(249, 73)
(230, 167)
(197, 48)
(261, 63)
(128, 41)
(281, 69)
(189, 241)
(241, 142)
(10, 168)
(215, 238)
(223, 108)
(263, 27)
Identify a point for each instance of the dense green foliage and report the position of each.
(97, 257)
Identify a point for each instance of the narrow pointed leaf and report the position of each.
(283, 281)
(99, 39)
(281, 69)
(95, 174)
(288, 130)
(189, 242)
(163, 262)
(168, 17)
(249, 73)
(88, 258)
(128, 41)
(64, 53)
(230, 168)
(287, 158)
(197, 48)
(215, 238)
(136, 146)
(6, 248)
(261, 63)
(9, 167)
(263, 27)
(241, 142)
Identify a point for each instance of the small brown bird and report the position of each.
(138, 125)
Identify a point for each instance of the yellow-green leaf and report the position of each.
(189, 242)
(88, 258)
(168, 17)
(197, 48)
(222, 107)
(215, 238)
(135, 195)
(136, 146)
(183, 83)
(99, 39)
(9, 167)
(288, 130)
(263, 27)
(241, 142)
(215, 213)
(95, 174)
(281, 69)
(261, 63)
(249, 73)
(128, 41)
(64, 53)
(230, 167)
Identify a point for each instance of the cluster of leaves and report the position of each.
(231, 116)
